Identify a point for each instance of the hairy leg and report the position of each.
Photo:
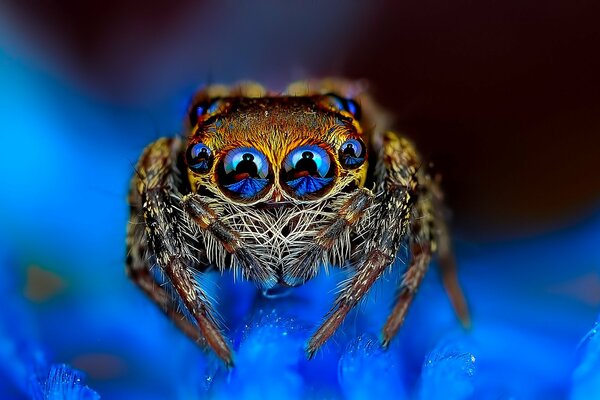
(397, 184)
(422, 245)
(445, 255)
(139, 264)
(141, 275)
(208, 221)
(155, 191)
(429, 235)
(329, 237)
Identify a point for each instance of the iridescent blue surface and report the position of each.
(313, 163)
(249, 163)
(247, 188)
(586, 376)
(66, 298)
(308, 184)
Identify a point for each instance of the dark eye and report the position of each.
(244, 173)
(199, 158)
(352, 153)
(308, 170)
(343, 104)
(203, 108)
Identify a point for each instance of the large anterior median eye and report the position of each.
(244, 173)
(308, 170)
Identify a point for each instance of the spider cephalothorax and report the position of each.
(275, 186)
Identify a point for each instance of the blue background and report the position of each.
(71, 133)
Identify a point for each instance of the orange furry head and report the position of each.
(259, 148)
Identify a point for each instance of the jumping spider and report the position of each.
(274, 186)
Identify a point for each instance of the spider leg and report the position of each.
(140, 274)
(445, 257)
(138, 268)
(196, 302)
(429, 235)
(153, 191)
(397, 184)
(348, 216)
(422, 244)
(208, 220)
(373, 266)
(447, 266)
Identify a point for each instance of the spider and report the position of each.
(275, 186)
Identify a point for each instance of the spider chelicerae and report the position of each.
(275, 186)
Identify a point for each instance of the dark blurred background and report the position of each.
(503, 96)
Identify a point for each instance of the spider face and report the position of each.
(283, 163)
(276, 149)
(276, 186)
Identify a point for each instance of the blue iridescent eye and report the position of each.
(200, 109)
(344, 104)
(199, 158)
(352, 153)
(307, 170)
(353, 108)
(244, 173)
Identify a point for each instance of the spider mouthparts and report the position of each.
(277, 197)
(276, 200)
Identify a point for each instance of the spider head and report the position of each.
(276, 150)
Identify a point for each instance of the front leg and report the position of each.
(208, 221)
(139, 264)
(156, 186)
(422, 244)
(429, 236)
(445, 255)
(330, 238)
(397, 184)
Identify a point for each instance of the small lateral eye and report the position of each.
(199, 158)
(344, 104)
(204, 108)
(352, 153)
